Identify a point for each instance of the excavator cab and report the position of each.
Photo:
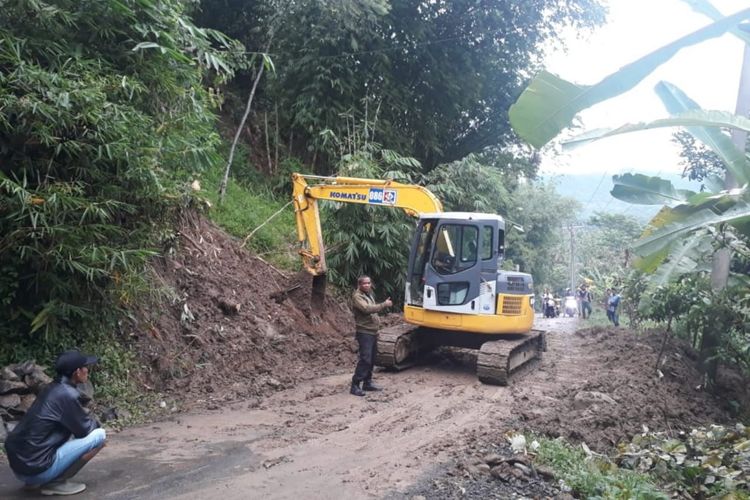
(455, 277)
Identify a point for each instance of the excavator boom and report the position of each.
(412, 199)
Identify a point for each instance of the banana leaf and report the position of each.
(549, 104)
(683, 258)
(642, 189)
(738, 216)
(705, 8)
(690, 118)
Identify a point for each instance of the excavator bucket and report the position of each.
(318, 298)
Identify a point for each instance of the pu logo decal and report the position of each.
(379, 196)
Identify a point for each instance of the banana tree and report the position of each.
(676, 241)
(681, 234)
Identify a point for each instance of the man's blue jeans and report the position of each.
(66, 455)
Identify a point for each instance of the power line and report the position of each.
(402, 47)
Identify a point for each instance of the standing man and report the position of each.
(367, 323)
(585, 302)
(56, 437)
(612, 303)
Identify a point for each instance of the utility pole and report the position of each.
(571, 227)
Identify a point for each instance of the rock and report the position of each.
(10, 400)
(545, 472)
(502, 472)
(9, 426)
(585, 399)
(3, 432)
(228, 307)
(9, 386)
(8, 374)
(484, 468)
(526, 471)
(23, 369)
(37, 379)
(493, 459)
(26, 401)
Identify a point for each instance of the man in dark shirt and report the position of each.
(56, 437)
(367, 324)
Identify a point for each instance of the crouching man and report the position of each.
(56, 437)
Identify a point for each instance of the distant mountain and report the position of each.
(592, 192)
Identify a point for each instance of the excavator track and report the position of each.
(398, 346)
(497, 359)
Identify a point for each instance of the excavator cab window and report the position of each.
(487, 233)
(424, 242)
(455, 248)
(500, 248)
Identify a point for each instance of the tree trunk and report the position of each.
(225, 179)
(722, 257)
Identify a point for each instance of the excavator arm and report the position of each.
(414, 200)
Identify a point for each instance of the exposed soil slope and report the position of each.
(237, 327)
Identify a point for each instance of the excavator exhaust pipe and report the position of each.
(318, 297)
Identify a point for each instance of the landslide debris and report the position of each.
(235, 327)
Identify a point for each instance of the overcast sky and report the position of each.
(708, 73)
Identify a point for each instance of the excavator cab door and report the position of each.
(453, 266)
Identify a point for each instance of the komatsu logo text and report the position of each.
(348, 196)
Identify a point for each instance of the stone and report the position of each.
(7, 374)
(9, 386)
(493, 459)
(585, 399)
(26, 401)
(545, 472)
(502, 472)
(37, 379)
(10, 400)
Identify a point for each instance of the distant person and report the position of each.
(584, 296)
(612, 304)
(56, 437)
(607, 296)
(367, 324)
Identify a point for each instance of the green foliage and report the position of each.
(540, 249)
(698, 161)
(593, 477)
(436, 78)
(467, 185)
(366, 239)
(102, 114)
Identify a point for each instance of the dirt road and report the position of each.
(315, 440)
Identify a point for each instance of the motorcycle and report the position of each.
(571, 306)
(550, 309)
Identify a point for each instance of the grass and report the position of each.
(593, 478)
(246, 208)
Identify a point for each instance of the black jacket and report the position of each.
(52, 419)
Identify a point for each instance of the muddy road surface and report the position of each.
(315, 440)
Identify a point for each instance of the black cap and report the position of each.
(70, 361)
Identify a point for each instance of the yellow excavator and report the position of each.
(456, 292)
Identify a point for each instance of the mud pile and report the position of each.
(235, 327)
(621, 391)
